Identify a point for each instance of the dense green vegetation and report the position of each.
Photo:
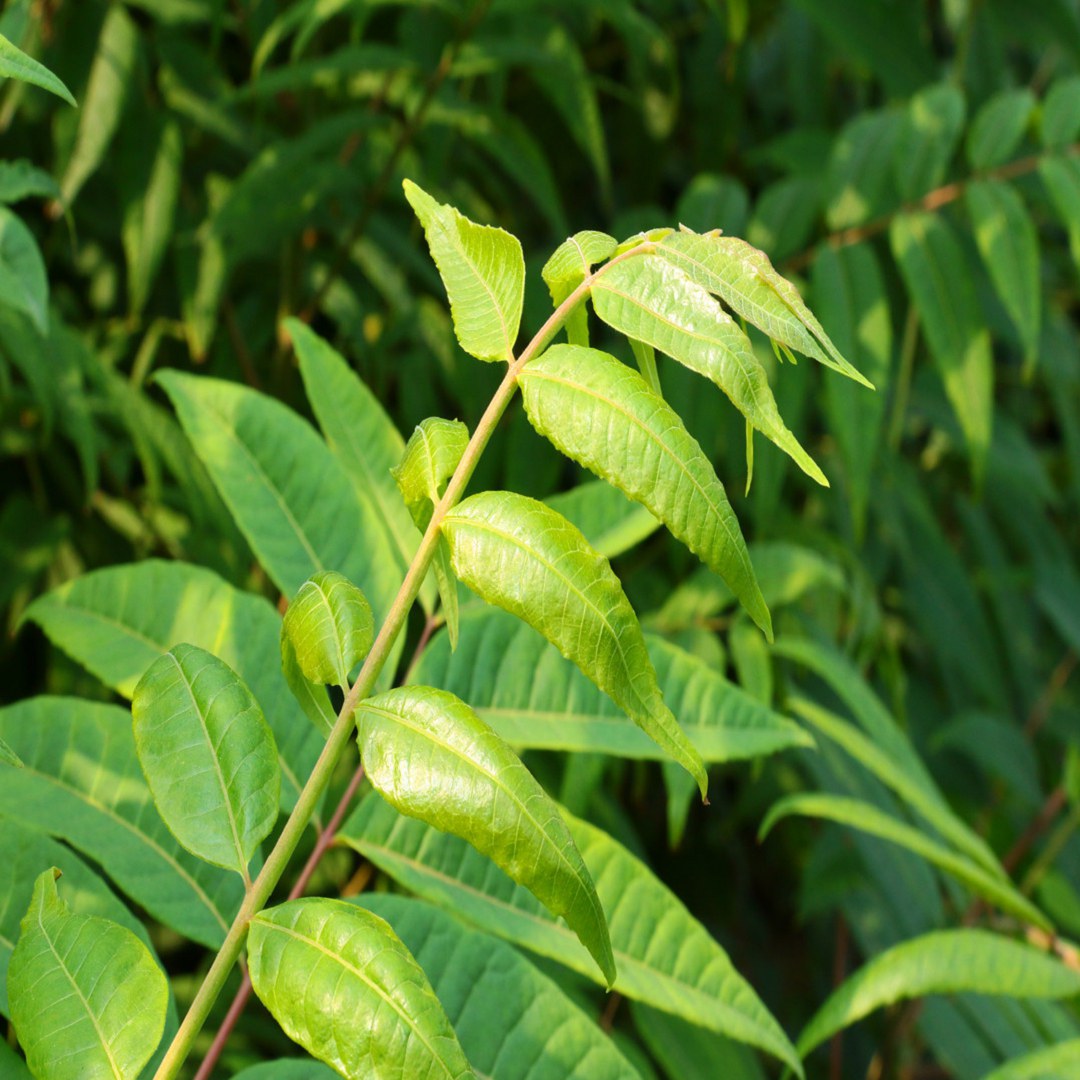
(263, 324)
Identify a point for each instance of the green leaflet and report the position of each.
(330, 627)
(570, 264)
(604, 416)
(540, 1033)
(208, 755)
(8, 756)
(23, 282)
(1007, 242)
(117, 621)
(1060, 1060)
(999, 126)
(859, 183)
(868, 818)
(935, 271)
(927, 139)
(311, 697)
(21, 180)
(522, 556)
(654, 301)
(606, 517)
(943, 962)
(431, 757)
(483, 271)
(15, 64)
(663, 955)
(87, 998)
(1059, 121)
(1061, 176)
(318, 964)
(82, 783)
(744, 278)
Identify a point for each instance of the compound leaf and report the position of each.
(330, 627)
(87, 998)
(319, 964)
(524, 557)
(431, 757)
(208, 755)
(605, 416)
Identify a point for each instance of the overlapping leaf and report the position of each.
(999, 126)
(1062, 1059)
(663, 955)
(604, 416)
(943, 962)
(87, 997)
(318, 964)
(330, 628)
(569, 265)
(483, 271)
(431, 757)
(522, 556)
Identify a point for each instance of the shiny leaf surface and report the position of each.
(330, 627)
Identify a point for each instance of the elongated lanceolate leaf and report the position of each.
(653, 301)
(15, 64)
(208, 755)
(744, 278)
(604, 416)
(431, 757)
(868, 818)
(944, 962)
(483, 271)
(540, 1032)
(330, 627)
(1060, 1060)
(319, 965)
(88, 1000)
(522, 556)
(569, 265)
(663, 956)
(937, 276)
(81, 782)
(23, 281)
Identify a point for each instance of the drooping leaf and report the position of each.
(747, 282)
(868, 818)
(604, 416)
(664, 957)
(15, 64)
(942, 962)
(319, 964)
(117, 621)
(1062, 1059)
(539, 1032)
(606, 517)
(483, 271)
(570, 264)
(431, 757)
(520, 555)
(111, 75)
(87, 998)
(935, 271)
(859, 183)
(999, 126)
(1007, 242)
(23, 281)
(208, 755)
(653, 301)
(1061, 113)
(81, 782)
(288, 493)
(927, 139)
(330, 627)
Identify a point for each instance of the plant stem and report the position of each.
(278, 860)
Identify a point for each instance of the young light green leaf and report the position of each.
(483, 271)
(522, 556)
(318, 964)
(24, 284)
(664, 956)
(570, 263)
(103, 103)
(1061, 113)
(87, 997)
(604, 416)
(1007, 242)
(81, 782)
(431, 757)
(654, 301)
(943, 962)
(15, 64)
(1063, 1059)
(868, 818)
(927, 139)
(998, 127)
(935, 271)
(606, 517)
(477, 976)
(744, 278)
(208, 755)
(330, 626)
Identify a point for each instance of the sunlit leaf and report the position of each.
(431, 757)
(15, 64)
(570, 263)
(317, 965)
(522, 556)
(330, 627)
(87, 998)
